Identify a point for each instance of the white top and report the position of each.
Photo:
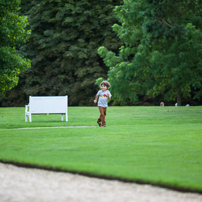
(103, 98)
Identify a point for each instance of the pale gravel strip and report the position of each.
(59, 127)
(34, 185)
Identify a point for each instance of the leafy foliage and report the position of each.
(162, 50)
(63, 47)
(13, 33)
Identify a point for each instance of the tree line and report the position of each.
(152, 54)
(65, 36)
(162, 50)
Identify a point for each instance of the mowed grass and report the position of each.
(158, 145)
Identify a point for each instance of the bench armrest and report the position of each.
(26, 108)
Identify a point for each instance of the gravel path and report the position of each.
(34, 185)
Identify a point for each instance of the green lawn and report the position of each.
(160, 145)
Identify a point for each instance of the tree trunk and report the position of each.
(179, 96)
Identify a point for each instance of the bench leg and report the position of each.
(30, 117)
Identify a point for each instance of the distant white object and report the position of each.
(187, 105)
(47, 105)
(162, 104)
(176, 104)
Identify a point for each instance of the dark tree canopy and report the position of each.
(66, 35)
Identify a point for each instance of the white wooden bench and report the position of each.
(47, 105)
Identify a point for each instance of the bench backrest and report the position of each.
(48, 104)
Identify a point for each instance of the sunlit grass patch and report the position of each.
(160, 145)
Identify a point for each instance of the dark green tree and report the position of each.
(63, 48)
(13, 33)
(162, 50)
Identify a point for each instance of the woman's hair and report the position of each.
(105, 83)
